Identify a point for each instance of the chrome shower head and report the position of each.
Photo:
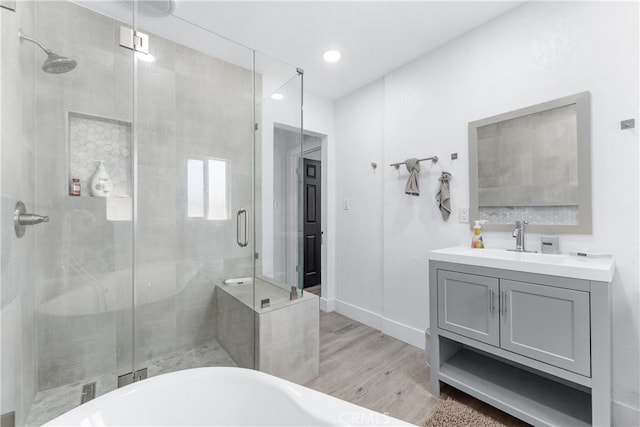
(54, 64)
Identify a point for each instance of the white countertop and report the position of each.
(599, 269)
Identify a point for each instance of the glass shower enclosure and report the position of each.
(136, 276)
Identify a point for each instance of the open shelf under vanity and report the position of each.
(526, 395)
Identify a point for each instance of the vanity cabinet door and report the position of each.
(546, 323)
(467, 305)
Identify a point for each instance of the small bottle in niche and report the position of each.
(101, 185)
(75, 187)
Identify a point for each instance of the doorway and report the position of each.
(312, 214)
(289, 161)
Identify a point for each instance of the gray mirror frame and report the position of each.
(582, 102)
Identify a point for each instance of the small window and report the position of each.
(195, 188)
(217, 189)
(207, 189)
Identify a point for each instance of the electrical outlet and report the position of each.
(463, 215)
(346, 205)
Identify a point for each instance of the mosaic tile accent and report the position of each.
(94, 138)
(548, 215)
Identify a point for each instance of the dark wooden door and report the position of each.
(312, 223)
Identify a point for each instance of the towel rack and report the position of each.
(434, 159)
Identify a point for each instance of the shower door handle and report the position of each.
(245, 242)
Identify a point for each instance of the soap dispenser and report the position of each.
(101, 185)
(477, 242)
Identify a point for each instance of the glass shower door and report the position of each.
(194, 201)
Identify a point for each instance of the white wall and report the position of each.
(537, 52)
(359, 124)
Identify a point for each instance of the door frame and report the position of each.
(290, 205)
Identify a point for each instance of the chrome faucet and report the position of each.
(518, 233)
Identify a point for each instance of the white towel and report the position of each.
(413, 166)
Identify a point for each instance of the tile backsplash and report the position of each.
(549, 215)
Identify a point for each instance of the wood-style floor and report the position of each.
(361, 365)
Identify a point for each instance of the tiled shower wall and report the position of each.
(188, 104)
(78, 242)
(18, 305)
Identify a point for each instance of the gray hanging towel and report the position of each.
(444, 197)
(413, 166)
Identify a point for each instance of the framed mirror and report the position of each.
(533, 164)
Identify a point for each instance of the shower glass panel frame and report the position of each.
(279, 152)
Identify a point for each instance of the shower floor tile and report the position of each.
(51, 403)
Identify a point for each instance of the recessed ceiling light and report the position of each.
(331, 56)
(277, 96)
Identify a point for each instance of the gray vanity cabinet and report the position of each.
(544, 322)
(534, 345)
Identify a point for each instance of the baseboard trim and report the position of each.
(397, 330)
(327, 305)
(403, 332)
(361, 315)
(625, 415)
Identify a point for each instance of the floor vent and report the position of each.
(88, 392)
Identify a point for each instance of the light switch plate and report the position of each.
(463, 215)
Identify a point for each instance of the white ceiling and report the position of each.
(374, 37)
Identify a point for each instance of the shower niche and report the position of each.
(92, 139)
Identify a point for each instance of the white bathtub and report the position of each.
(219, 397)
